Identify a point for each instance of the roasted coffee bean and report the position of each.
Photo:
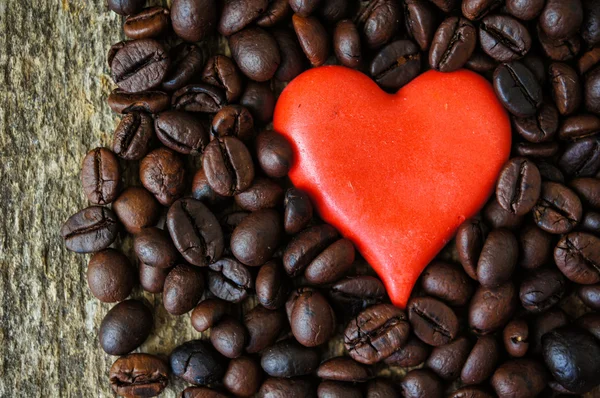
(470, 392)
(517, 89)
(260, 101)
(183, 289)
(264, 193)
(346, 44)
(154, 247)
(286, 388)
(536, 65)
(481, 362)
(263, 326)
(277, 11)
(542, 150)
(201, 392)
(150, 22)
(470, 237)
(420, 383)
(481, 63)
(292, 56)
(566, 88)
(378, 21)
(498, 258)
(525, 10)
(579, 126)
(229, 280)
(228, 337)
(274, 154)
(141, 375)
(243, 377)
(560, 19)
(148, 101)
(331, 264)
(559, 50)
(237, 14)
(312, 319)
(162, 172)
(195, 231)
(181, 131)
(558, 209)
(131, 140)
(208, 313)
(477, 9)
(352, 295)
(520, 378)
(313, 39)
(420, 20)
(590, 29)
(125, 327)
(382, 388)
(542, 289)
(571, 354)
(577, 255)
(515, 337)
(453, 44)
(491, 308)
(414, 353)
(90, 230)
(126, 7)
(306, 246)
(447, 360)
(592, 91)
(504, 38)
(519, 185)
(550, 172)
(186, 62)
(343, 369)
(272, 285)
(110, 276)
(447, 282)
(544, 323)
(588, 60)
(289, 359)
(228, 166)
(197, 362)
(298, 211)
(199, 97)
(539, 128)
(496, 217)
(581, 158)
(256, 53)
(234, 120)
(304, 7)
(202, 191)
(140, 65)
(256, 238)
(330, 389)
(230, 221)
(396, 64)
(332, 11)
(152, 279)
(432, 321)
(376, 333)
(589, 294)
(194, 20)
(100, 176)
(591, 222)
(590, 322)
(220, 71)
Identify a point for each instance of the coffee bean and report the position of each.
(581, 158)
(343, 369)
(504, 38)
(202, 191)
(264, 193)
(535, 245)
(333, 11)
(452, 45)
(298, 211)
(140, 65)
(197, 362)
(260, 101)
(237, 14)
(289, 359)
(536, 65)
(228, 166)
(346, 44)
(351, 295)
(560, 20)
(194, 20)
(447, 360)
(558, 209)
(544, 323)
(201, 392)
(559, 50)
(131, 140)
(542, 289)
(230, 221)
(183, 289)
(525, 10)
(496, 217)
(590, 29)
(481, 361)
(126, 7)
(331, 264)
(125, 327)
(542, 150)
(539, 128)
(470, 392)
(148, 101)
(591, 222)
(263, 326)
(566, 88)
(220, 71)
(577, 255)
(491, 308)
(588, 60)
(199, 97)
(233, 120)
(477, 9)
(208, 312)
(420, 20)
(304, 7)
(186, 61)
(274, 154)
(312, 319)
(286, 388)
(550, 172)
(376, 333)
(571, 354)
(378, 21)
(256, 238)
(150, 22)
(515, 337)
(592, 91)
(243, 377)
(590, 322)
(432, 321)
(228, 337)
(498, 258)
(276, 12)
(256, 53)
(517, 89)
(382, 388)
(306, 246)
(110, 276)
(313, 39)
(447, 282)
(470, 237)
(272, 285)
(100, 176)
(481, 63)
(421, 383)
(520, 377)
(579, 126)
(181, 131)
(292, 56)
(162, 172)
(152, 279)
(332, 389)
(414, 353)
(229, 280)
(154, 247)
(141, 375)
(396, 64)
(590, 295)
(519, 185)
(90, 230)
(195, 231)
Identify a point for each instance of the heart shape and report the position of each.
(394, 173)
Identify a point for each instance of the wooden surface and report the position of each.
(54, 82)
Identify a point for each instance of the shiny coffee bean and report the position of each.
(133, 135)
(228, 337)
(125, 327)
(256, 53)
(181, 131)
(504, 38)
(396, 64)
(228, 166)
(470, 392)
(90, 230)
(590, 29)
(286, 388)
(237, 14)
(199, 97)
(186, 62)
(183, 289)
(313, 39)
(560, 20)
(561, 49)
(477, 9)
(525, 10)
(519, 185)
(194, 20)
(311, 318)
(470, 237)
(260, 101)
(432, 321)
(447, 282)
(496, 217)
(220, 71)
(579, 126)
(256, 238)
(382, 388)
(234, 120)
(110, 276)
(520, 378)
(550, 172)
(263, 326)
(517, 89)
(298, 211)
(332, 11)
(481, 63)
(153, 247)
(274, 154)
(148, 101)
(515, 337)
(125, 7)
(148, 23)
(378, 22)
(331, 264)
(591, 222)
(152, 279)
(577, 256)
(140, 65)
(498, 258)
(542, 289)
(544, 323)
(289, 359)
(346, 44)
(197, 362)
(421, 383)
(330, 389)
(304, 7)
(343, 369)
(453, 44)
(491, 308)
(351, 295)
(581, 158)
(243, 377)
(541, 150)
(535, 247)
(229, 280)
(208, 312)
(202, 191)
(264, 193)
(536, 65)
(420, 19)
(292, 57)
(272, 285)
(592, 91)
(566, 88)
(447, 360)
(481, 361)
(590, 295)
(414, 353)
(558, 210)
(100, 176)
(163, 174)
(541, 127)
(306, 246)
(276, 11)
(141, 375)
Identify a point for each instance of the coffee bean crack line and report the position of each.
(197, 232)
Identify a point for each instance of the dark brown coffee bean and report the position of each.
(520, 378)
(263, 326)
(286, 388)
(396, 64)
(181, 131)
(346, 44)
(519, 185)
(420, 20)
(298, 211)
(590, 322)
(276, 12)
(504, 38)
(591, 222)
(498, 258)
(131, 140)
(201, 392)
(539, 128)
(559, 50)
(590, 295)
(220, 71)
(272, 285)
(579, 126)
(154, 247)
(378, 21)
(481, 362)
(550, 172)
(470, 392)
(525, 10)
(382, 388)
(470, 237)
(312, 318)
(228, 166)
(233, 120)
(256, 238)
(354, 294)
(590, 29)
(544, 323)
(343, 369)
(208, 313)
(237, 14)
(110, 276)
(414, 353)
(264, 193)
(162, 172)
(228, 337)
(100, 176)
(492, 308)
(306, 246)
(90, 230)
(558, 209)
(230, 221)
(195, 231)
(581, 158)
(150, 22)
(496, 217)
(304, 7)
(292, 57)
(330, 389)
(229, 280)
(542, 289)
(197, 362)
(140, 65)
(274, 154)
(152, 279)
(560, 20)
(536, 65)
(453, 44)
(517, 89)
(515, 336)
(148, 101)
(183, 289)
(202, 191)
(332, 264)
(577, 255)
(313, 39)
(243, 377)
(199, 97)
(535, 245)
(125, 7)
(542, 150)
(289, 359)
(481, 63)
(125, 327)
(447, 282)
(333, 11)
(566, 88)
(592, 91)
(260, 101)
(420, 383)
(194, 20)
(186, 62)
(477, 9)
(141, 375)
(256, 53)
(587, 61)
(447, 360)
(432, 321)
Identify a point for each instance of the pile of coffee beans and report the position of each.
(216, 223)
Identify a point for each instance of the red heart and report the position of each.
(396, 174)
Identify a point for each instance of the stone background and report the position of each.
(54, 82)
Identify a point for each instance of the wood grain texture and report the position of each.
(54, 82)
